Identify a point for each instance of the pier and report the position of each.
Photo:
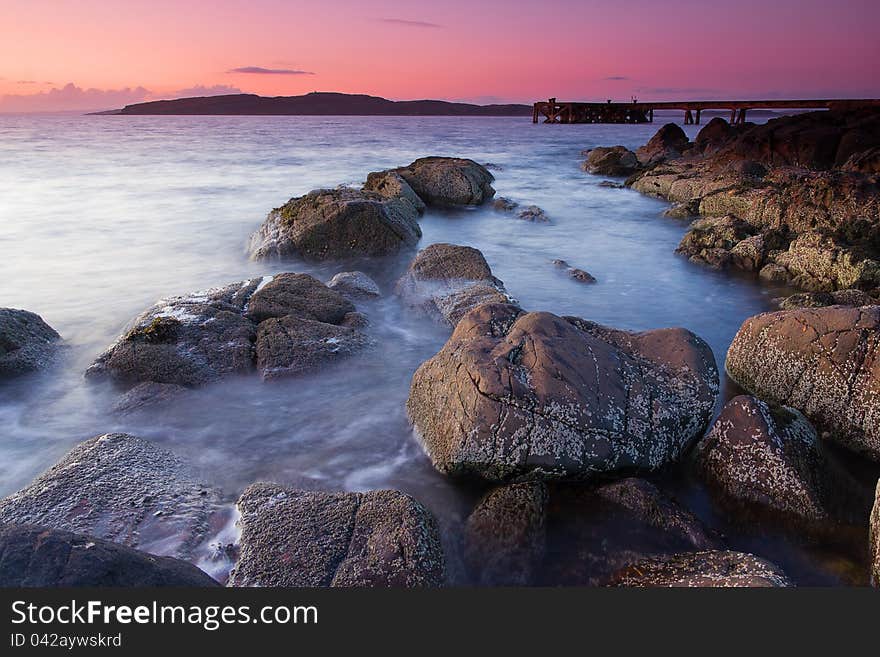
(555, 111)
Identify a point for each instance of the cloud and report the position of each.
(406, 23)
(259, 70)
(679, 90)
(73, 98)
(26, 82)
(201, 90)
(617, 77)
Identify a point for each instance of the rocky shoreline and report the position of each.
(565, 427)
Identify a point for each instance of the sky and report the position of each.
(65, 55)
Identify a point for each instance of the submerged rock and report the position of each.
(533, 213)
(33, 556)
(27, 343)
(120, 488)
(147, 394)
(305, 538)
(768, 459)
(448, 280)
(448, 181)
(611, 161)
(503, 204)
(577, 274)
(821, 361)
(717, 568)
(515, 395)
(505, 535)
(354, 285)
(337, 223)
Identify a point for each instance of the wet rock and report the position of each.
(337, 223)
(821, 361)
(515, 395)
(448, 280)
(27, 343)
(767, 459)
(291, 345)
(577, 274)
(682, 210)
(33, 556)
(147, 394)
(856, 298)
(749, 254)
(611, 161)
(666, 144)
(354, 285)
(702, 569)
(305, 538)
(774, 273)
(120, 488)
(390, 184)
(300, 295)
(505, 535)
(449, 181)
(533, 213)
(503, 204)
(710, 240)
(611, 184)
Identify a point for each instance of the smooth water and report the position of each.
(102, 215)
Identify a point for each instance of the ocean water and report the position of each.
(102, 215)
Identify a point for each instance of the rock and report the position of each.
(27, 343)
(186, 340)
(505, 535)
(819, 263)
(710, 240)
(147, 394)
(515, 395)
(33, 556)
(120, 488)
(611, 184)
(666, 144)
(447, 280)
(767, 459)
(683, 210)
(354, 285)
(300, 295)
(390, 184)
(714, 135)
(291, 345)
(611, 161)
(749, 254)
(874, 539)
(774, 273)
(856, 298)
(716, 568)
(533, 213)
(821, 361)
(575, 273)
(503, 204)
(867, 162)
(449, 181)
(337, 223)
(305, 538)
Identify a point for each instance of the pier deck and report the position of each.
(555, 111)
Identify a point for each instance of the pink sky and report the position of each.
(98, 54)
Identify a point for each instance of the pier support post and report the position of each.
(688, 117)
(698, 116)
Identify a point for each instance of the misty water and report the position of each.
(100, 216)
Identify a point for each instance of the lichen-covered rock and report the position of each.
(305, 538)
(354, 285)
(515, 395)
(767, 458)
(611, 161)
(819, 263)
(337, 223)
(300, 295)
(32, 556)
(448, 280)
(667, 144)
(391, 184)
(823, 362)
(710, 240)
(505, 535)
(123, 489)
(448, 181)
(717, 568)
(27, 343)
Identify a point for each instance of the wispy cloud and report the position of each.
(72, 98)
(259, 70)
(617, 77)
(201, 90)
(408, 23)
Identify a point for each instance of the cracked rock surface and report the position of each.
(515, 395)
(716, 568)
(821, 361)
(305, 538)
(120, 488)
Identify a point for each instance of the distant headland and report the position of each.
(317, 104)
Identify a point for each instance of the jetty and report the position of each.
(555, 111)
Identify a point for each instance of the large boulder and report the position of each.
(305, 538)
(26, 342)
(716, 568)
(505, 535)
(515, 395)
(821, 361)
(768, 459)
(448, 181)
(448, 280)
(33, 556)
(611, 161)
(124, 489)
(667, 144)
(337, 223)
(715, 134)
(391, 184)
(286, 323)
